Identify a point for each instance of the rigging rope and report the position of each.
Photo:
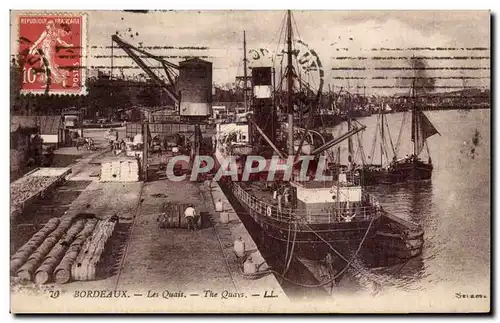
(377, 279)
(330, 281)
(281, 31)
(288, 243)
(390, 137)
(403, 121)
(293, 248)
(362, 151)
(372, 151)
(427, 148)
(359, 269)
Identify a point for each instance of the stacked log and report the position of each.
(22, 255)
(44, 273)
(26, 271)
(84, 268)
(62, 273)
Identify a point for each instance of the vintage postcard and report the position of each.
(280, 161)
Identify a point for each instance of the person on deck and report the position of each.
(286, 195)
(348, 217)
(279, 201)
(190, 215)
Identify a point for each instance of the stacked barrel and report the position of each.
(175, 218)
(62, 273)
(51, 252)
(22, 255)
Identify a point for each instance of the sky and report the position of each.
(356, 48)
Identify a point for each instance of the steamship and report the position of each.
(312, 218)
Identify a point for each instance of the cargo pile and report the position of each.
(25, 188)
(84, 268)
(34, 185)
(62, 273)
(56, 251)
(120, 169)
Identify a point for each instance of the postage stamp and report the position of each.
(224, 162)
(52, 53)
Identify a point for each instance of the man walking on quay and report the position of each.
(190, 214)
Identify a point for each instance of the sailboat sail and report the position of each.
(422, 129)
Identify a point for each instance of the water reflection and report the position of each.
(410, 201)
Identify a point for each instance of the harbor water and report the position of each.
(453, 208)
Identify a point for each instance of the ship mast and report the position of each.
(245, 76)
(349, 121)
(290, 84)
(413, 113)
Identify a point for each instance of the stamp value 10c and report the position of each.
(52, 52)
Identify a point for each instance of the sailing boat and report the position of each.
(315, 217)
(409, 168)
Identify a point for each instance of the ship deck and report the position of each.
(258, 189)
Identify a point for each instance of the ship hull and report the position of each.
(312, 241)
(400, 173)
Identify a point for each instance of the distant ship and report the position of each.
(408, 168)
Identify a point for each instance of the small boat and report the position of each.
(409, 168)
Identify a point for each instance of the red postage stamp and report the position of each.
(52, 52)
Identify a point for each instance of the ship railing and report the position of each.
(351, 179)
(336, 214)
(339, 215)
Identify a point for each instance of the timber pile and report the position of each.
(84, 268)
(62, 273)
(120, 169)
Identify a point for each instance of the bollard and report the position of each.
(239, 247)
(249, 267)
(224, 217)
(219, 206)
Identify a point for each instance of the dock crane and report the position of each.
(169, 68)
(171, 72)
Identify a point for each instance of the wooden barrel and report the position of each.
(25, 273)
(43, 250)
(175, 217)
(62, 275)
(15, 264)
(42, 274)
